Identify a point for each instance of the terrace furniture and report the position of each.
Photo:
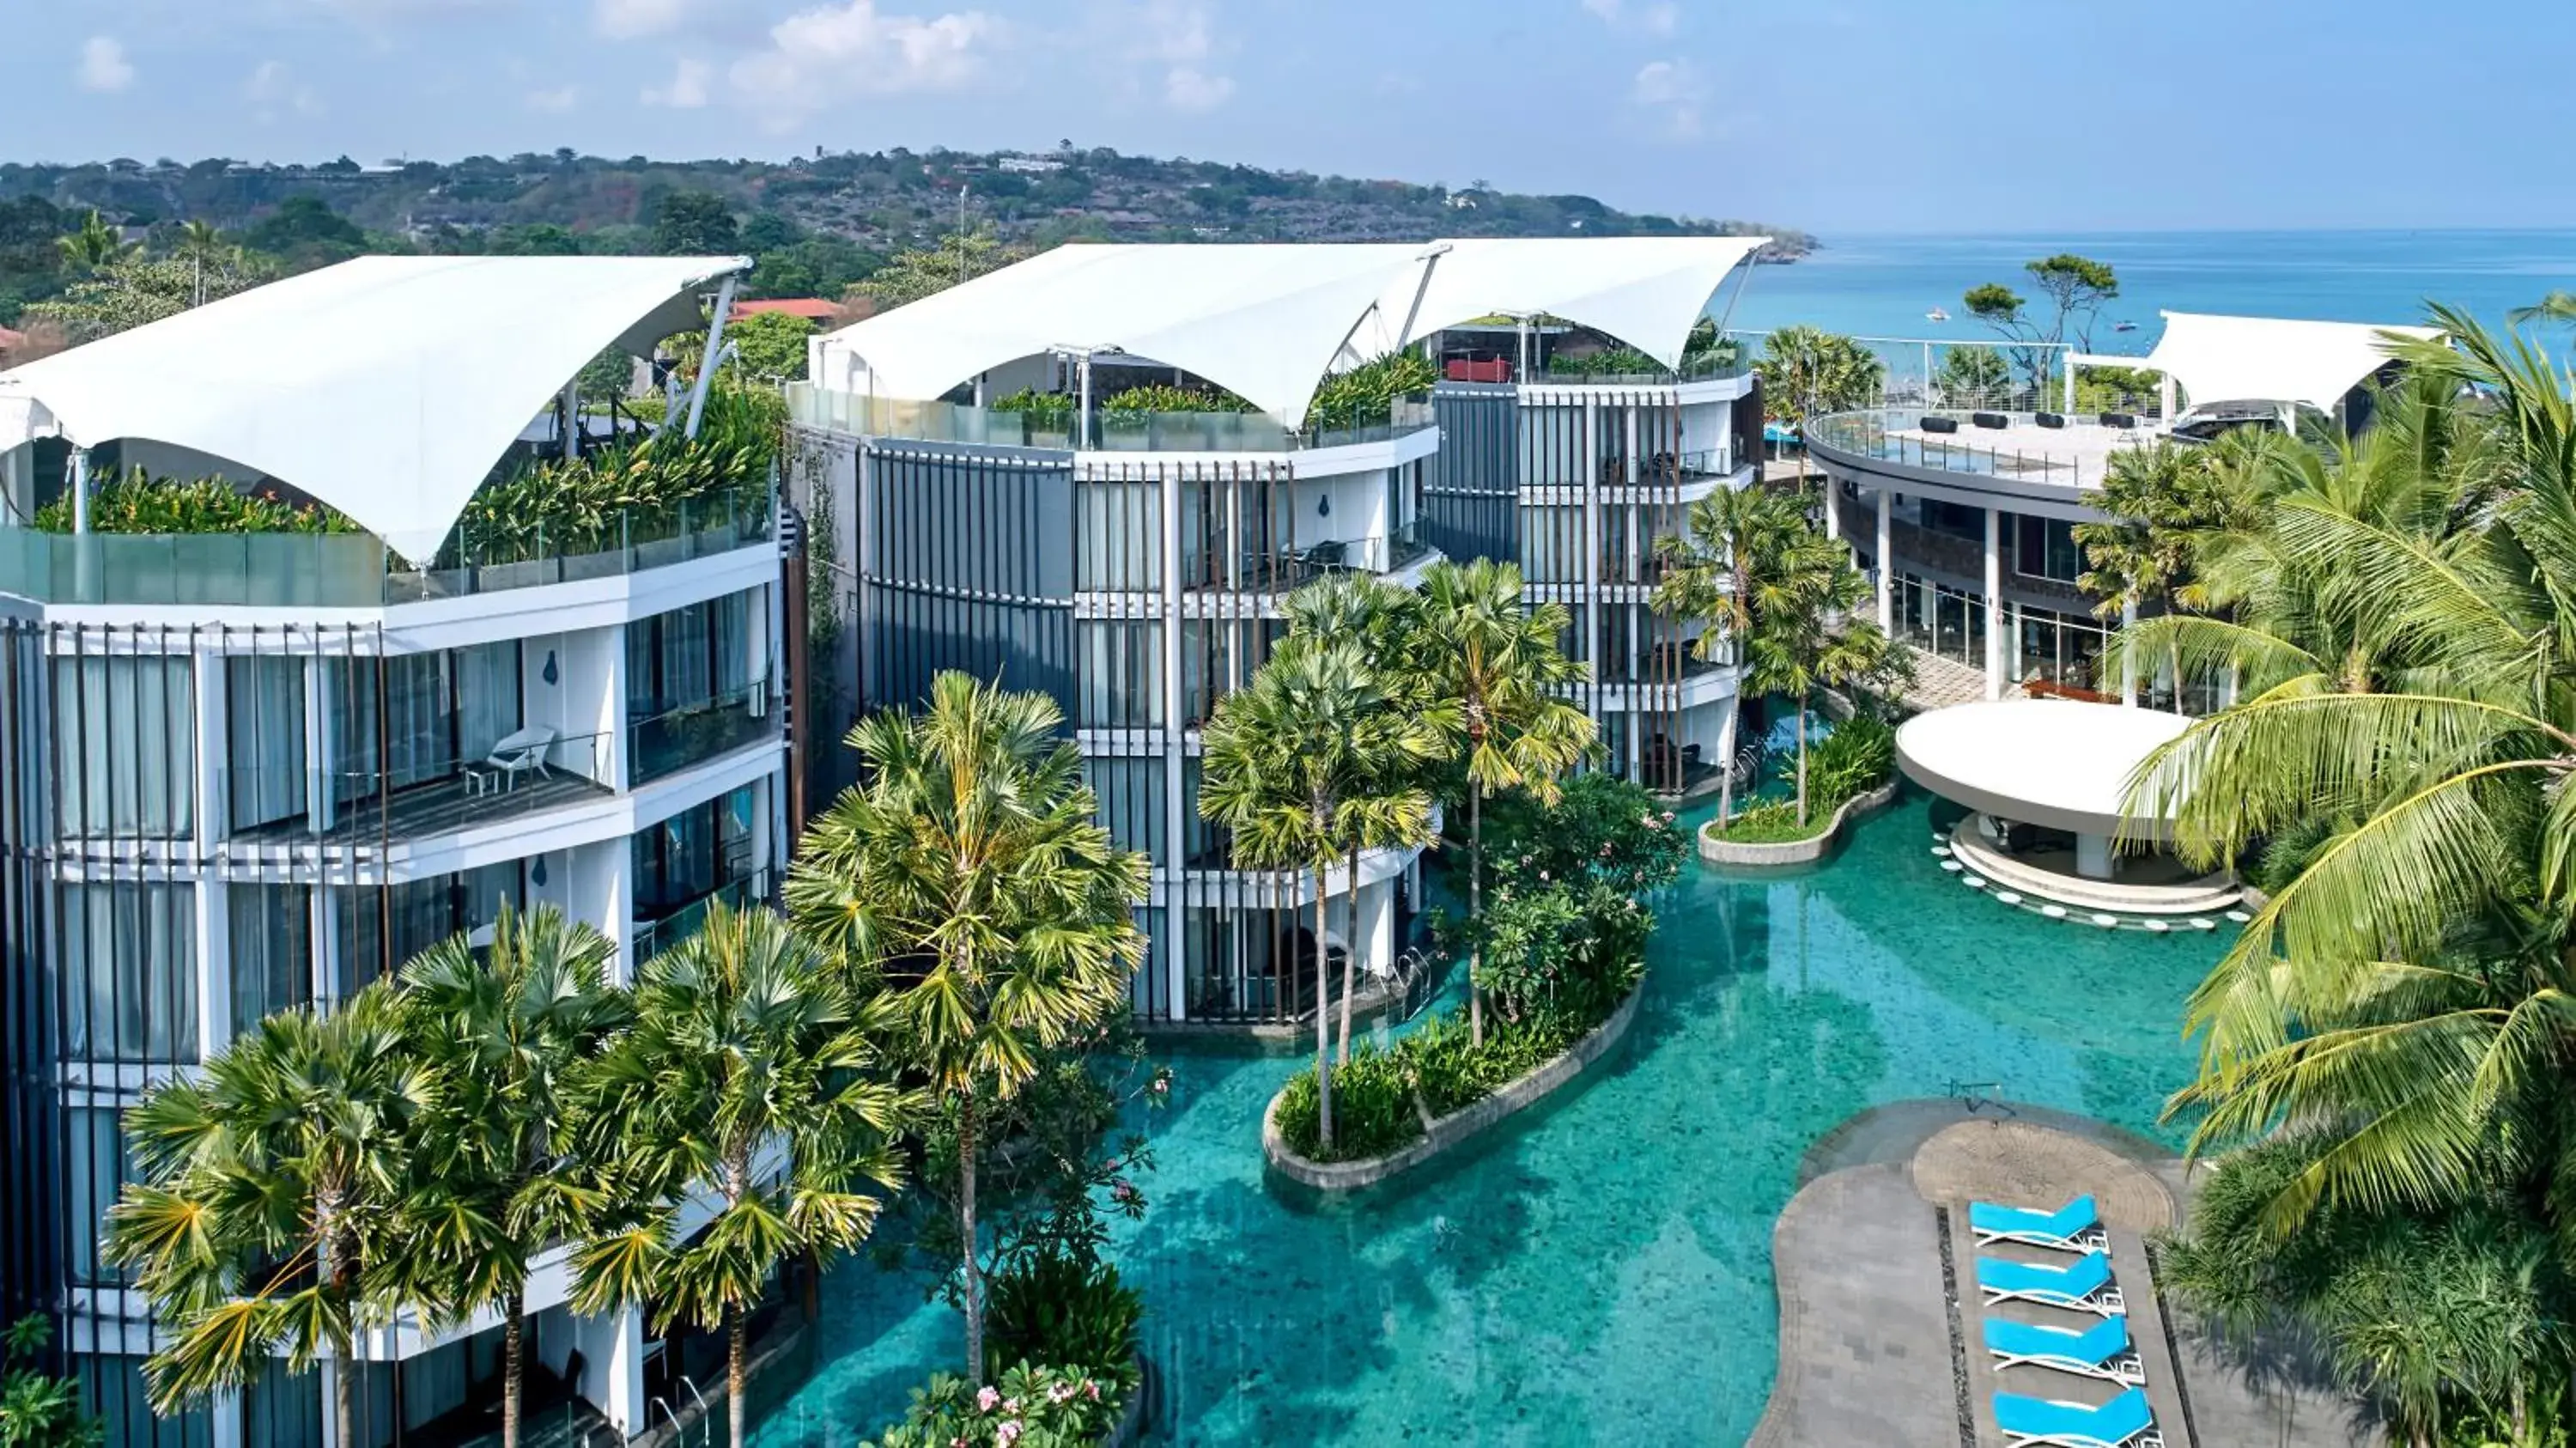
(1940, 424)
(2075, 1227)
(519, 752)
(2101, 1351)
(2084, 1287)
(2124, 1422)
(1992, 420)
(2120, 419)
(1325, 557)
(2049, 419)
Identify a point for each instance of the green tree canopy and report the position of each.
(693, 223)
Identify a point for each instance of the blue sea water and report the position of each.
(1882, 285)
(1597, 1270)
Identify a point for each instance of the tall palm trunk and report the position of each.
(513, 1369)
(737, 1362)
(1475, 912)
(1350, 953)
(1323, 1025)
(1802, 760)
(1726, 765)
(339, 1259)
(967, 1239)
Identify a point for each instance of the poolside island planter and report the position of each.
(1793, 852)
(1458, 1126)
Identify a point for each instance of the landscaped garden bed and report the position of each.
(1850, 773)
(1559, 954)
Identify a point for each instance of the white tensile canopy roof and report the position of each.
(2052, 762)
(385, 387)
(2270, 359)
(1268, 321)
(1647, 291)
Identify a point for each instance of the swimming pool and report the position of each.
(1599, 1268)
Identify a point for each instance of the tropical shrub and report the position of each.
(1773, 822)
(637, 488)
(1030, 1407)
(37, 1409)
(1364, 395)
(1373, 1111)
(1601, 828)
(1857, 757)
(1610, 362)
(1062, 1307)
(1047, 411)
(133, 502)
(1164, 397)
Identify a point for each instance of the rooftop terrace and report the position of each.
(2073, 452)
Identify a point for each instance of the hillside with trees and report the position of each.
(818, 224)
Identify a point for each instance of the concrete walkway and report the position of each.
(1877, 1348)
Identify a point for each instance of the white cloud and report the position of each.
(272, 90)
(103, 66)
(818, 58)
(627, 19)
(1186, 88)
(687, 90)
(1674, 88)
(556, 101)
(1660, 18)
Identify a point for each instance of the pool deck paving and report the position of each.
(1875, 1348)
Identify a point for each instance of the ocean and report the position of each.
(1881, 286)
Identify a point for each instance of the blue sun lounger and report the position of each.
(2123, 1422)
(2100, 1351)
(2086, 1286)
(2075, 1227)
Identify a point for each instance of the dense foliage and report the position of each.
(1365, 395)
(636, 489)
(1026, 1407)
(136, 503)
(1165, 397)
(1066, 1308)
(1601, 829)
(37, 1409)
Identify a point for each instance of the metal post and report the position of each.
(2128, 657)
(1994, 604)
(715, 353)
(1082, 424)
(2070, 382)
(1886, 564)
(80, 490)
(572, 419)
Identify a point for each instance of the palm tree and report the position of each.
(748, 1077)
(969, 873)
(1491, 656)
(199, 244)
(1808, 372)
(2557, 306)
(1728, 568)
(266, 1189)
(2406, 994)
(1389, 810)
(1802, 640)
(95, 246)
(495, 1176)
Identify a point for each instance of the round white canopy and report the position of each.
(2051, 762)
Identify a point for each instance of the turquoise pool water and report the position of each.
(1598, 1269)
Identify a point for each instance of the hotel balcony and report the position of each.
(1063, 428)
(2022, 451)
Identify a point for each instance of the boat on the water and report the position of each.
(1936, 315)
(2124, 326)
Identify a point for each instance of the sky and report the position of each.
(1828, 115)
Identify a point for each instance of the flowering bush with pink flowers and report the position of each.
(1026, 1407)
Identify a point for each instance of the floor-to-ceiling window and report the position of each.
(694, 689)
(415, 720)
(689, 859)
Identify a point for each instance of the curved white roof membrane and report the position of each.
(1268, 321)
(1647, 291)
(2052, 762)
(2269, 359)
(386, 387)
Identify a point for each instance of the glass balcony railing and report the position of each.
(2020, 448)
(652, 937)
(1111, 431)
(352, 570)
(1622, 372)
(675, 739)
(1282, 570)
(531, 769)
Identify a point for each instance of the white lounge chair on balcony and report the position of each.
(519, 752)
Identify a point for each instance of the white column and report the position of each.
(1833, 514)
(2165, 397)
(1994, 604)
(1175, 761)
(2093, 857)
(213, 925)
(2128, 664)
(1886, 561)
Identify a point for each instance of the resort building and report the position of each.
(260, 766)
(1027, 477)
(1965, 518)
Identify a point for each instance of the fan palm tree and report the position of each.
(266, 1189)
(1490, 654)
(496, 1180)
(200, 245)
(2557, 306)
(95, 245)
(1728, 568)
(748, 1077)
(1802, 641)
(1393, 810)
(1808, 372)
(1297, 767)
(2408, 991)
(969, 874)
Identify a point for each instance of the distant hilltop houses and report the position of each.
(880, 201)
